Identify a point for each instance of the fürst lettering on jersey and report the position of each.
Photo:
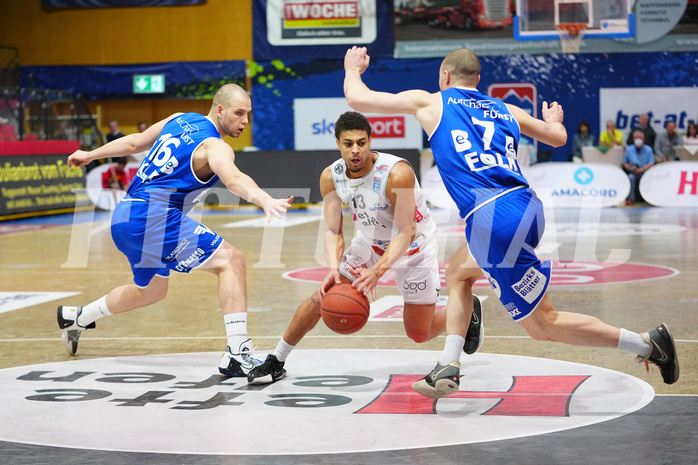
(487, 159)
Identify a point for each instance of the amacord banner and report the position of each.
(317, 29)
(115, 3)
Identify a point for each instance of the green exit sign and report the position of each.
(148, 83)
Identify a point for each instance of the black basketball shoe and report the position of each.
(663, 353)
(442, 381)
(268, 372)
(476, 329)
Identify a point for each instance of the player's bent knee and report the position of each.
(418, 335)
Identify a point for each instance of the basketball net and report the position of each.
(571, 35)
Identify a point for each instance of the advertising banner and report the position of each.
(314, 126)
(671, 184)
(662, 104)
(115, 3)
(588, 185)
(185, 80)
(316, 29)
(39, 182)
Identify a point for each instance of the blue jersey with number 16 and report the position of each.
(166, 174)
(474, 147)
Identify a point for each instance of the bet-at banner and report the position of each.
(316, 29)
(625, 105)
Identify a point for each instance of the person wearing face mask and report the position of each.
(639, 157)
(643, 124)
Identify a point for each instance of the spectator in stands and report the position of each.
(639, 157)
(644, 126)
(611, 136)
(142, 126)
(583, 138)
(691, 134)
(116, 177)
(665, 143)
(114, 132)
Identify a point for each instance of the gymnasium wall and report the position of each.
(219, 30)
(214, 31)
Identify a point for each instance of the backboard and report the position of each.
(605, 19)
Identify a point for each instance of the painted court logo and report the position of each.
(562, 274)
(346, 401)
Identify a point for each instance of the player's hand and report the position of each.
(276, 207)
(331, 278)
(356, 59)
(79, 158)
(366, 280)
(553, 113)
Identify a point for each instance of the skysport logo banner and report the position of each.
(300, 29)
(314, 126)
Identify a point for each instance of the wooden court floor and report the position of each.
(62, 254)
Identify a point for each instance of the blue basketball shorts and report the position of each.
(157, 239)
(502, 236)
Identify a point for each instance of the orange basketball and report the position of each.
(344, 309)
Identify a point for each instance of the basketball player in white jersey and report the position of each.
(474, 139)
(151, 227)
(394, 230)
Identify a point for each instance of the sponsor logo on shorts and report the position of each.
(182, 244)
(185, 265)
(512, 309)
(201, 229)
(413, 288)
(531, 285)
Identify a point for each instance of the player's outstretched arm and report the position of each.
(127, 145)
(221, 160)
(363, 99)
(549, 130)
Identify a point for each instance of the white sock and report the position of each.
(452, 349)
(236, 329)
(93, 312)
(283, 349)
(633, 342)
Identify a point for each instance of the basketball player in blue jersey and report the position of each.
(394, 230)
(474, 139)
(151, 227)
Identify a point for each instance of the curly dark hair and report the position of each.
(351, 121)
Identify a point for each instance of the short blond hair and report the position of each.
(463, 65)
(228, 94)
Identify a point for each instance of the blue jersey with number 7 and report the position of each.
(475, 146)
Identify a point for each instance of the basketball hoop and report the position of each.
(571, 35)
